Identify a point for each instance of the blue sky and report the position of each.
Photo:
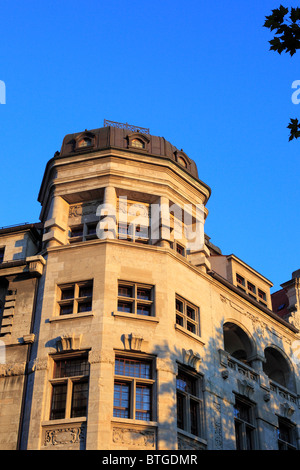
(198, 73)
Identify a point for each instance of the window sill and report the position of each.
(135, 422)
(193, 437)
(188, 333)
(135, 316)
(68, 421)
(71, 316)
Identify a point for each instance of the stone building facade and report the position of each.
(118, 333)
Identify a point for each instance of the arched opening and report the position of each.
(137, 143)
(277, 368)
(237, 343)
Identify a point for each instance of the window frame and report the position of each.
(284, 444)
(133, 383)
(186, 319)
(134, 300)
(68, 381)
(76, 300)
(242, 426)
(84, 228)
(2, 253)
(187, 398)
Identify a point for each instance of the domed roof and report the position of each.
(125, 139)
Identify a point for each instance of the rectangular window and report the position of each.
(135, 298)
(244, 425)
(240, 281)
(180, 249)
(133, 389)
(2, 255)
(187, 315)
(75, 298)
(69, 388)
(133, 232)
(286, 435)
(189, 402)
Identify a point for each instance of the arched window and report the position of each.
(182, 162)
(237, 343)
(277, 368)
(137, 143)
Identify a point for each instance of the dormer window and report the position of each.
(86, 142)
(138, 143)
(182, 162)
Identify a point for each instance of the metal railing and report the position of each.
(130, 127)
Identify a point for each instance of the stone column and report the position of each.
(165, 232)
(107, 227)
(56, 225)
(167, 407)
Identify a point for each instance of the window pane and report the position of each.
(144, 310)
(71, 368)
(58, 406)
(238, 435)
(126, 307)
(86, 291)
(1, 255)
(180, 411)
(66, 309)
(121, 400)
(132, 368)
(186, 383)
(190, 312)
(125, 291)
(143, 294)
(79, 399)
(84, 307)
(67, 293)
(143, 402)
(194, 412)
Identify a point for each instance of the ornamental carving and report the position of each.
(134, 437)
(68, 342)
(65, 436)
(245, 388)
(8, 370)
(287, 410)
(218, 434)
(190, 358)
(132, 342)
(78, 210)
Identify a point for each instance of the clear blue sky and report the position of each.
(198, 73)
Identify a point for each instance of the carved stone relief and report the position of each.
(65, 436)
(134, 437)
